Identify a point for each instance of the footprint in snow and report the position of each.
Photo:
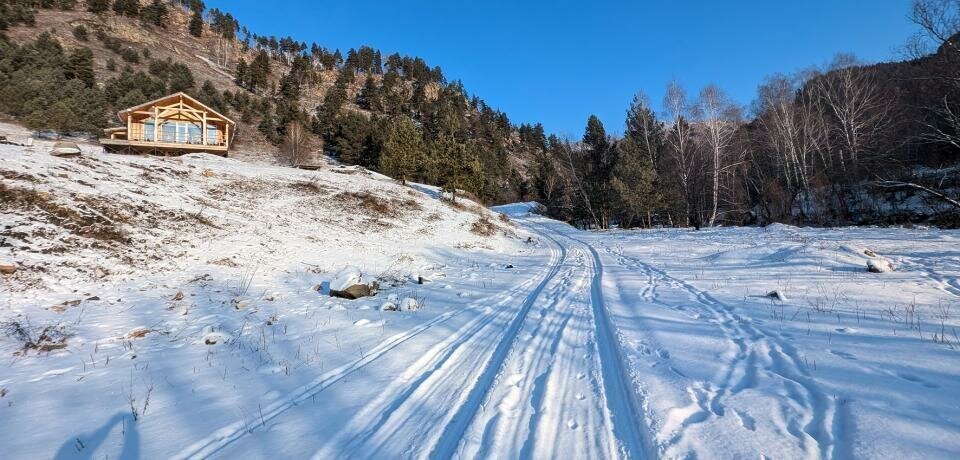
(745, 419)
(580, 397)
(572, 424)
(581, 375)
(663, 354)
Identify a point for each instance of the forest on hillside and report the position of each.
(850, 143)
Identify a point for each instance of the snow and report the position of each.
(189, 340)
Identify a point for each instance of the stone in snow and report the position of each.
(7, 268)
(879, 265)
(348, 283)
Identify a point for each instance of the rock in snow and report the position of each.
(777, 294)
(7, 268)
(346, 277)
(879, 265)
(348, 283)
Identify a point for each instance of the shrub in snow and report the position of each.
(410, 304)
(879, 265)
(40, 338)
(389, 306)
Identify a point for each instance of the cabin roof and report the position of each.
(123, 114)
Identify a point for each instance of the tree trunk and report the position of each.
(716, 187)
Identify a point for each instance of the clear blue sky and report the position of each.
(557, 62)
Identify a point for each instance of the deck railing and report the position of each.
(138, 134)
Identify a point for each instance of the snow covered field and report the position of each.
(186, 315)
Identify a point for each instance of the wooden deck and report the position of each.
(160, 148)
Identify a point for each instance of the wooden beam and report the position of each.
(203, 129)
(156, 124)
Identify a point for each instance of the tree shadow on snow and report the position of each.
(85, 445)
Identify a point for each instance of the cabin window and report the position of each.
(193, 132)
(148, 130)
(212, 135)
(181, 132)
(169, 132)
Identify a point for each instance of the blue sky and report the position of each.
(557, 62)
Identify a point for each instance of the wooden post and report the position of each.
(226, 135)
(203, 132)
(129, 127)
(156, 124)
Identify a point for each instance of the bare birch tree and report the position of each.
(294, 142)
(791, 130)
(857, 109)
(681, 150)
(718, 118)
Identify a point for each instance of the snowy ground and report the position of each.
(199, 332)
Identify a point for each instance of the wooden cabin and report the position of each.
(172, 125)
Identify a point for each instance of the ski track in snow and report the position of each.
(534, 409)
(542, 379)
(752, 355)
(224, 437)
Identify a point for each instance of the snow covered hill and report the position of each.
(179, 307)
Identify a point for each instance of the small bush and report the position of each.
(80, 33)
(483, 227)
(40, 338)
(130, 55)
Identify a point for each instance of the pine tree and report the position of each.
(403, 150)
(634, 174)
(196, 24)
(242, 74)
(268, 128)
(350, 139)
(259, 71)
(132, 98)
(129, 8)
(455, 165)
(370, 97)
(79, 66)
(632, 181)
(599, 164)
(57, 117)
(98, 6)
(155, 13)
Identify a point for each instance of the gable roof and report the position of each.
(123, 114)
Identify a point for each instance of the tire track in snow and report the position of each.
(227, 435)
(449, 440)
(752, 348)
(625, 425)
(406, 411)
(505, 425)
(624, 404)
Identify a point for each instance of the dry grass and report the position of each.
(310, 186)
(367, 203)
(484, 227)
(91, 217)
(40, 338)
